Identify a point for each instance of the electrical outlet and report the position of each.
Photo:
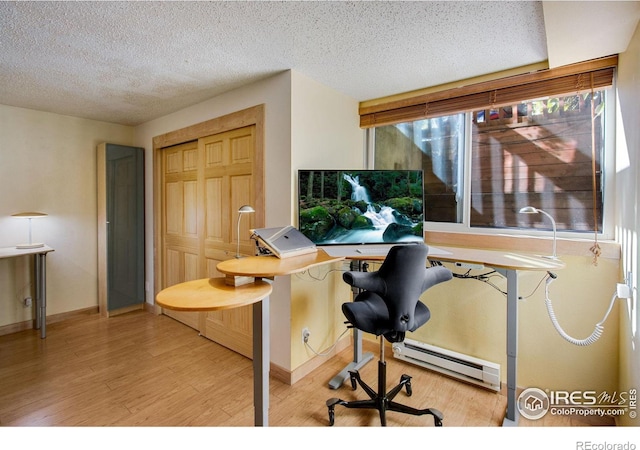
(625, 290)
(27, 302)
(305, 335)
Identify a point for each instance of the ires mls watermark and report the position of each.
(535, 403)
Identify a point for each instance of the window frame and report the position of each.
(608, 184)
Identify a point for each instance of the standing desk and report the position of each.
(40, 269)
(243, 285)
(507, 264)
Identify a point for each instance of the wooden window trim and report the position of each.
(565, 80)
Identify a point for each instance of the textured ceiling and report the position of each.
(130, 62)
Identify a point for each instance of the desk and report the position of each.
(507, 264)
(211, 294)
(40, 269)
(208, 295)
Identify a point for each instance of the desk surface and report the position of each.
(272, 266)
(10, 252)
(499, 259)
(211, 294)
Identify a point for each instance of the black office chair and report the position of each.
(389, 305)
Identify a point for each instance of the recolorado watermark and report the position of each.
(589, 445)
(535, 403)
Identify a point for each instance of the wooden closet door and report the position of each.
(180, 237)
(204, 184)
(228, 184)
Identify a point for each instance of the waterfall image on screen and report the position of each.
(338, 207)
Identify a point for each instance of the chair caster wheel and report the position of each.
(406, 379)
(437, 417)
(331, 404)
(354, 380)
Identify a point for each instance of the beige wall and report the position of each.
(627, 213)
(325, 133)
(48, 164)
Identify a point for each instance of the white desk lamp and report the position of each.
(532, 210)
(245, 209)
(29, 215)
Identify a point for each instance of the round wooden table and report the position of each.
(211, 294)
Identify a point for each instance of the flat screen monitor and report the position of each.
(341, 207)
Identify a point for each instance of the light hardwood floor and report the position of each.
(140, 369)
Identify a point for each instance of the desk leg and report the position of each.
(511, 418)
(359, 359)
(261, 361)
(40, 263)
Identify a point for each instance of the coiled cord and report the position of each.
(598, 330)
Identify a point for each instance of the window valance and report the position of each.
(566, 80)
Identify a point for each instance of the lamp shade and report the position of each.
(244, 209)
(29, 215)
(528, 210)
(532, 210)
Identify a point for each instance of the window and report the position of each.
(437, 147)
(483, 164)
(538, 153)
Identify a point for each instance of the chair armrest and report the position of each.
(435, 275)
(370, 281)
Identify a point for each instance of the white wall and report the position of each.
(627, 213)
(48, 164)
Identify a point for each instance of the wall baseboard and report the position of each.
(30, 324)
(127, 309)
(291, 377)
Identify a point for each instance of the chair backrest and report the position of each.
(400, 282)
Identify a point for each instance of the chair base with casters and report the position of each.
(382, 400)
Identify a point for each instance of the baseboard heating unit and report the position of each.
(457, 365)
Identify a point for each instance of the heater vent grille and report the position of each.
(457, 365)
